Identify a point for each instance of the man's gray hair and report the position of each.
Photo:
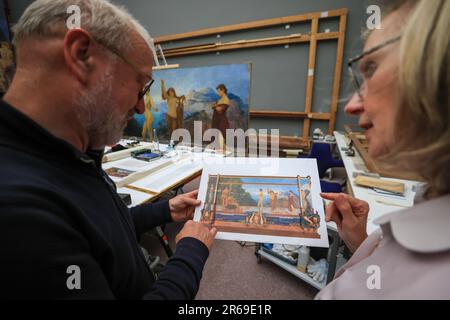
(106, 22)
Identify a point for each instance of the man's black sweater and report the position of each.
(59, 209)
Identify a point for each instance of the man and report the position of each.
(224, 197)
(273, 200)
(64, 232)
(291, 201)
(261, 206)
(173, 102)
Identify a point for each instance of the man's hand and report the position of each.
(183, 206)
(350, 215)
(198, 231)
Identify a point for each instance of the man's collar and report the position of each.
(423, 228)
(20, 131)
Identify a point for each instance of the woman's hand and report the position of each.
(350, 215)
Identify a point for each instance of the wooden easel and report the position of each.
(312, 38)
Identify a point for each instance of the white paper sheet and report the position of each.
(271, 219)
(171, 175)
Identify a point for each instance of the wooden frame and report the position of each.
(312, 38)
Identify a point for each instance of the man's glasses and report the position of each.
(147, 86)
(145, 89)
(358, 78)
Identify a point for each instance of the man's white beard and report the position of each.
(98, 113)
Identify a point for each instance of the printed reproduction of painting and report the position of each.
(118, 172)
(6, 51)
(275, 209)
(218, 96)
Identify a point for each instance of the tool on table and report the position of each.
(146, 155)
(397, 188)
(366, 174)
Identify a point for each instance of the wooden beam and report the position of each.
(214, 45)
(287, 114)
(310, 76)
(169, 66)
(190, 48)
(284, 142)
(245, 44)
(251, 25)
(337, 73)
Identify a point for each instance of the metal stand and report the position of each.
(331, 259)
(160, 232)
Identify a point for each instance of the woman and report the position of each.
(219, 119)
(148, 115)
(403, 105)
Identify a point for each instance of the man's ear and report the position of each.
(78, 53)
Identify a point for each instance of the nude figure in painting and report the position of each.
(173, 103)
(149, 119)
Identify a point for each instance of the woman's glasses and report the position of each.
(358, 77)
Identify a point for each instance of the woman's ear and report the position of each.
(78, 53)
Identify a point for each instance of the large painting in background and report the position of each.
(216, 95)
(6, 52)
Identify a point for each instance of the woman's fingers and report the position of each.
(360, 207)
(332, 214)
(343, 206)
(329, 196)
(356, 205)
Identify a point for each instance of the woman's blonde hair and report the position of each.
(422, 122)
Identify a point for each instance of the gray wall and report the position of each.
(278, 74)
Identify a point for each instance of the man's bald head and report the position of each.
(98, 69)
(106, 22)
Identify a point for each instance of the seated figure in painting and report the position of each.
(310, 220)
(224, 197)
(232, 203)
(255, 218)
